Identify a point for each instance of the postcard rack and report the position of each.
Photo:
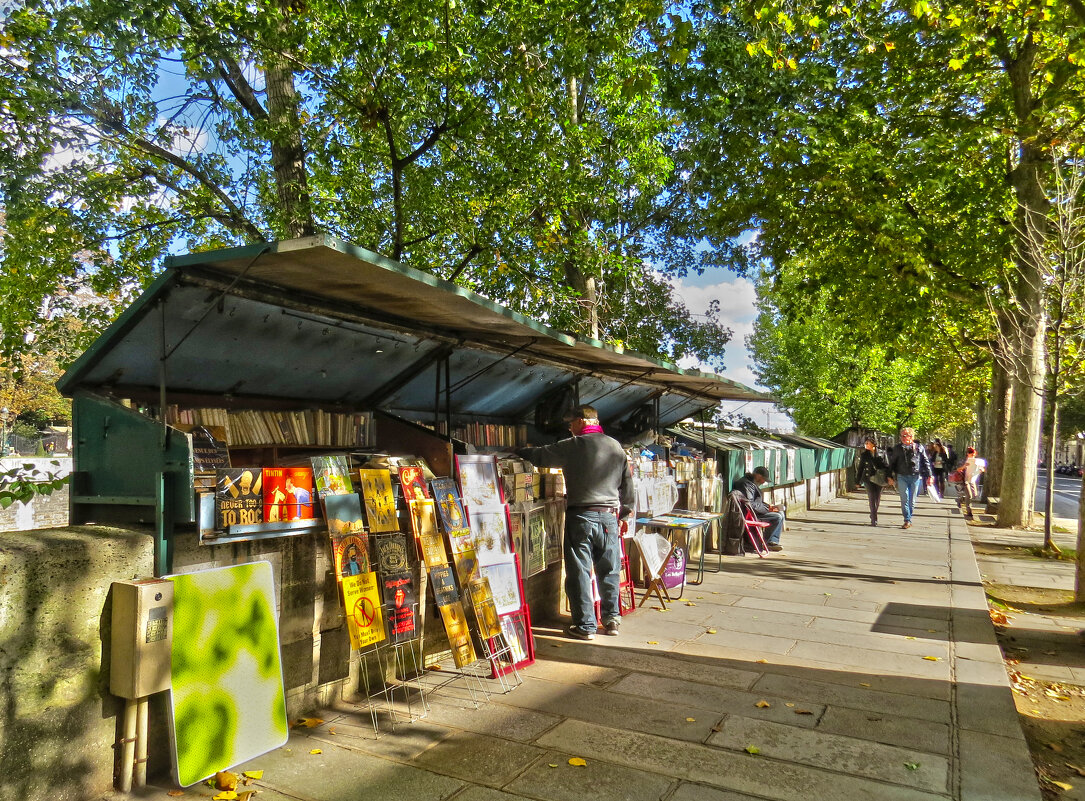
(403, 697)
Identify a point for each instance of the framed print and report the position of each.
(480, 487)
(555, 530)
(504, 584)
(536, 542)
(490, 529)
(449, 505)
(380, 503)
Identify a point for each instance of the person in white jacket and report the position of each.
(973, 468)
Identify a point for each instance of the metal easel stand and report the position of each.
(498, 654)
(403, 660)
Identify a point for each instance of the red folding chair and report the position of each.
(754, 528)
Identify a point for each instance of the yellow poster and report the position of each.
(361, 599)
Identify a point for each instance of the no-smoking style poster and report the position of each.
(361, 599)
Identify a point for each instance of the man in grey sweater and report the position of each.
(599, 492)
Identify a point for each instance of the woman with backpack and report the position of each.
(873, 473)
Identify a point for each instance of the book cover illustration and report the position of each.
(467, 569)
(239, 499)
(331, 474)
(449, 506)
(504, 584)
(344, 514)
(400, 600)
(491, 534)
(351, 554)
(479, 485)
(536, 542)
(413, 482)
(391, 553)
(361, 602)
(287, 494)
(463, 652)
(209, 451)
(443, 583)
(380, 503)
(482, 601)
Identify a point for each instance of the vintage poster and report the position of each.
(463, 652)
(390, 551)
(331, 474)
(504, 584)
(361, 601)
(449, 506)
(536, 542)
(239, 499)
(343, 514)
(491, 534)
(443, 583)
(482, 601)
(290, 489)
(351, 554)
(423, 519)
(400, 600)
(413, 483)
(466, 566)
(461, 541)
(433, 549)
(479, 485)
(555, 530)
(209, 451)
(380, 503)
(516, 535)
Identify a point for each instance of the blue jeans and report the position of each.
(776, 526)
(591, 539)
(907, 488)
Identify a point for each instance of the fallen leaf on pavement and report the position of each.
(331, 730)
(864, 684)
(175, 793)
(253, 774)
(711, 631)
(1076, 769)
(1055, 747)
(803, 712)
(752, 749)
(933, 658)
(578, 762)
(762, 704)
(789, 705)
(308, 723)
(1062, 785)
(690, 603)
(912, 765)
(653, 642)
(553, 764)
(225, 780)
(245, 796)
(225, 795)
(316, 751)
(762, 661)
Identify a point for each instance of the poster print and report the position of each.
(331, 474)
(504, 584)
(536, 542)
(361, 601)
(380, 503)
(479, 485)
(443, 583)
(423, 519)
(413, 483)
(390, 552)
(400, 600)
(351, 554)
(491, 532)
(461, 541)
(449, 506)
(555, 530)
(239, 499)
(467, 569)
(516, 535)
(516, 635)
(482, 601)
(463, 652)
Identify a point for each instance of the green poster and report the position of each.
(228, 704)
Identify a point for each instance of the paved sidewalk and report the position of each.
(858, 664)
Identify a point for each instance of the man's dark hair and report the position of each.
(761, 471)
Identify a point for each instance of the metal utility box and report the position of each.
(142, 637)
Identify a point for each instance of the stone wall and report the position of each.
(58, 721)
(43, 511)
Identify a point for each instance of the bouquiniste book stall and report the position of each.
(204, 411)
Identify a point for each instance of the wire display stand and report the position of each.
(399, 692)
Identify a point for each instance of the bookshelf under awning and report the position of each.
(320, 321)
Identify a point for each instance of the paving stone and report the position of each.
(994, 767)
(356, 732)
(474, 792)
(745, 773)
(575, 672)
(887, 727)
(462, 754)
(856, 696)
(845, 754)
(987, 708)
(718, 700)
(513, 722)
(688, 791)
(704, 671)
(880, 661)
(751, 642)
(598, 780)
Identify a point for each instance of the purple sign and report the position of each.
(674, 572)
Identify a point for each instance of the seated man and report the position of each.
(749, 486)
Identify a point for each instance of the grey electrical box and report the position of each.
(142, 637)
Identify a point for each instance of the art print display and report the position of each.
(482, 602)
(443, 583)
(412, 482)
(423, 519)
(390, 551)
(226, 674)
(331, 474)
(516, 635)
(504, 580)
(536, 542)
(288, 494)
(479, 485)
(467, 569)
(239, 499)
(433, 549)
(362, 604)
(449, 506)
(380, 503)
(351, 554)
(459, 637)
(343, 514)
(490, 530)
(400, 602)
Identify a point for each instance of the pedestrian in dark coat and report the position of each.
(872, 473)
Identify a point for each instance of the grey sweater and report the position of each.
(595, 468)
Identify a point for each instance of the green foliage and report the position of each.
(23, 483)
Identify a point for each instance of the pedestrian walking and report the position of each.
(968, 486)
(908, 468)
(873, 474)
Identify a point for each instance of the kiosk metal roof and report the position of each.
(320, 321)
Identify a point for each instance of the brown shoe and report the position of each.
(774, 547)
(907, 524)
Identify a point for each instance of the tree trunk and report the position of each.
(994, 430)
(1079, 572)
(1052, 427)
(287, 149)
(576, 228)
